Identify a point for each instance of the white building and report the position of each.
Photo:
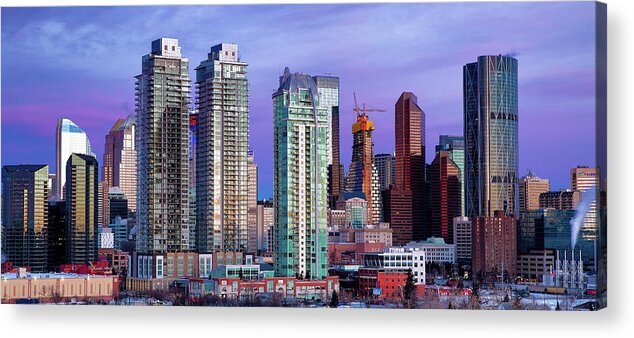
(205, 265)
(106, 238)
(399, 259)
(436, 250)
(69, 139)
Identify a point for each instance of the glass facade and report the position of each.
(550, 229)
(328, 89)
(490, 122)
(119, 165)
(222, 144)
(81, 209)
(300, 178)
(25, 215)
(69, 139)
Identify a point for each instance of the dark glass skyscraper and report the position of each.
(81, 209)
(25, 215)
(490, 131)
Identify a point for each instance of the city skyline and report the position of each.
(94, 90)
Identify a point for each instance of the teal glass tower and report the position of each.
(300, 178)
(490, 136)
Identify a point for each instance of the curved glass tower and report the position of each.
(490, 131)
(69, 139)
(300, 178)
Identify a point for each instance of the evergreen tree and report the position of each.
(334, 300)
(409, 292)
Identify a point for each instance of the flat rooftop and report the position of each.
(50, 275)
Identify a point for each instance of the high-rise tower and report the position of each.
(530, 188)
(445, 195)
(252, 204)
(407, 196)
(587, 181)
(362, 175)
(300, 178)
(163, 97)
(222, 144)
(25, 215)
(328, 89)
(82, 174)
(490, 131)
(455, 147)
(119, 164)
(69, 139)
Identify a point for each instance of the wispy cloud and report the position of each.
(81, 61)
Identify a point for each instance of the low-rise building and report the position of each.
(58, 287)
(377, 233)
(406, 258)
(286, 287)
(117, 259)
(351, 253)
(385, 283)
(535, 264)
(436, 250)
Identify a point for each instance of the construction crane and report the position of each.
(363, 109)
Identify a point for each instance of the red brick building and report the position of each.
(494, 245)
(351, 253)
(117, 259)
(381, 283)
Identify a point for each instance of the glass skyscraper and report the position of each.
(25, 215)
(386, 169)
(222, 144)
(455, 146)
(490, 131)
(300, 178)
(69, 139)
(162, 95)
(82, 174)
(119, 164)
(407, 198)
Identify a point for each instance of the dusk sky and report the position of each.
(80, 63)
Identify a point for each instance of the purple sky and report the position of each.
(79, 62)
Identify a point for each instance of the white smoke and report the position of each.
(587, 197)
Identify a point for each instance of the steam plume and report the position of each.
(587, 197)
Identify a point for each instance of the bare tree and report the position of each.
(56, 296)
